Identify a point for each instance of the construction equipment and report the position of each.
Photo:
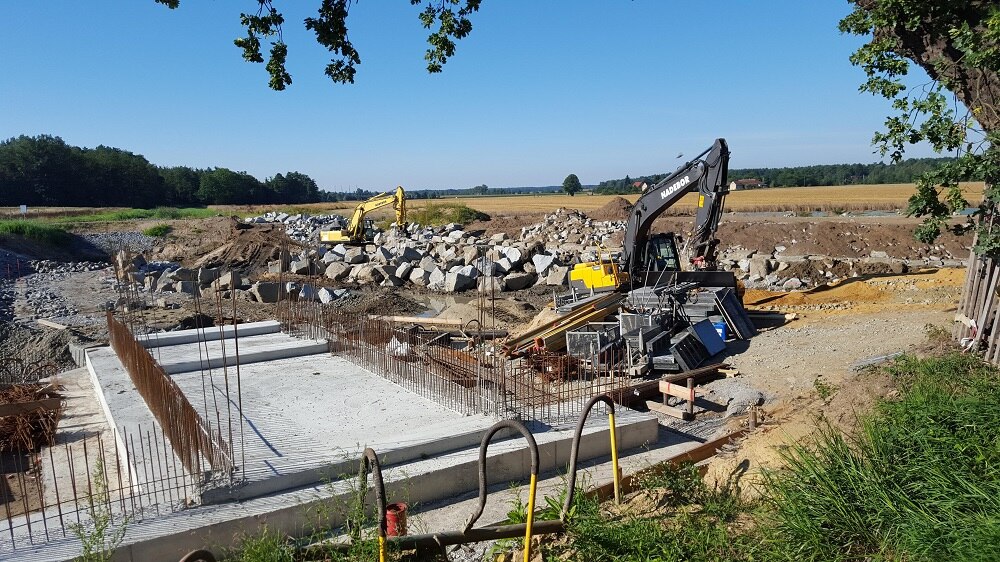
(361, 230)
(642, 253)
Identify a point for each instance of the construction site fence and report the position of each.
(466, 373)
(193, 439)
(60, 492)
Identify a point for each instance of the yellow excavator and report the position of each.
(361, 230)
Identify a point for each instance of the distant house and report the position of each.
(640, 185)
(740, 185)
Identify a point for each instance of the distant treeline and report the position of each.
(46, 171)
(906, 171)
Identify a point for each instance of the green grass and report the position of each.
(158, 230)
(921, 481)
(34, 230)
(161, 213)
(698, 524)
(436, 214)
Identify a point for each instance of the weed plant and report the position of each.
(920, 481)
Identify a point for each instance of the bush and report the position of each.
(34, 230)
(436, 214)
(158, 230)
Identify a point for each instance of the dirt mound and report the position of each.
(227, 243)
(615, 210)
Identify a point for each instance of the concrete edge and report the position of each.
(164, 339)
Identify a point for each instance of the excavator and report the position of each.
(644, 255)
(361, 230)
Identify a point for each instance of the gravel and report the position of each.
(110, 242)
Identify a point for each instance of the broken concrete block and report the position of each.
(469, 255)
(355, 256)
(556, 275)
(208, 274)
(455, 235)
(189, 287)
(759, 265)
(275, 267)
(403, 271)
(498, 237)
(455, 282)
(338, 271)
(410, 254)
(326, 296)
(332, 256)
(469, 271)
(518, 281)
(485, 266)
(420, 277)
(266, 291)
(542, 262)
(183, 274)
(791, 284)
(435, 280)
(381, 255)
(428, 263)
(513, 254)
(489, 284)
(300, 267)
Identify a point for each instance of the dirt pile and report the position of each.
(615, 210)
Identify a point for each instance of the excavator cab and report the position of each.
(661, 253)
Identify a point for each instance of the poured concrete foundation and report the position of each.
(305, 421)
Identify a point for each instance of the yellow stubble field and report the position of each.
(822, 198)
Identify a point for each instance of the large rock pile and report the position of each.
(448, 259)
(778, 270)
(302, 227)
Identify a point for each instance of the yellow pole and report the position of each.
(614, 458)
(381, 549)
(531, 518)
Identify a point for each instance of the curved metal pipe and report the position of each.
(533, 484)
(575, 451)
(369, 461)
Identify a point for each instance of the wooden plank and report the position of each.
(629, 482)
(679, 391)
(417, 320)
(51, 324)
(668, 410)
(988, 301)
(21, 408)
(966, 287)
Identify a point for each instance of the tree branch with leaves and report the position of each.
(957, 42)
(451, 18)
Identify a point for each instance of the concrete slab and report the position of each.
(177, 337)
(182, 358)
(297, 513)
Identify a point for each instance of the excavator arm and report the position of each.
(355, 231)
(706, 173)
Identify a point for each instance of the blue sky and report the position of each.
(540, 89)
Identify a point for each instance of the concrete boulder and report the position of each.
(436, 279)
(456, 282)
(556, 275)
(420, 277)
(266, 291)
(300, 267)
(355, 256)
(403, 271)
(338, 271)
(518, 281)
